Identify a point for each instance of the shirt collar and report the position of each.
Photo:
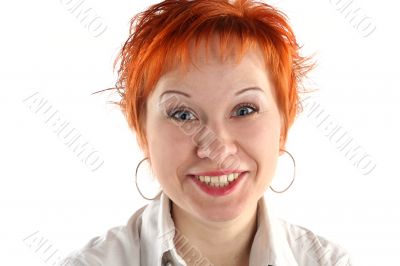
(270, 245)
(157, 232)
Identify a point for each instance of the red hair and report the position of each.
(160, 38)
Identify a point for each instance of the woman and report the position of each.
(211, 88)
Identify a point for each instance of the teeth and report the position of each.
(218, 181)
(214, 179)
(223, 179)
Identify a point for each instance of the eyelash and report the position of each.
(171, 114)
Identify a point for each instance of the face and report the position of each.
(244, 124)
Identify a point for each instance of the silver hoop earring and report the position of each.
(137, 186)
(294, 175)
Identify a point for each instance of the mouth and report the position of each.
(217, 180)
(218, 185)
(218, 172)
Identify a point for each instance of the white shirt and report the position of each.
(148, 240)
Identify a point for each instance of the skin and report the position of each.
(211, 224)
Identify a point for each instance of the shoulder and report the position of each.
(313, 249)
(118, 246)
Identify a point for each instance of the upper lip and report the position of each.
(218, 172)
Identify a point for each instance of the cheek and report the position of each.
(260, 133)
(170, 136)
(260, 140)
(169, 146)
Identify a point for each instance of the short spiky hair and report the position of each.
(161, 35)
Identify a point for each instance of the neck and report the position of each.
(221, 243)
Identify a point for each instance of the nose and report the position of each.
(217, 149)
(216, 144)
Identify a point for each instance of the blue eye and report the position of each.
(183, 114)
(244, 107)
(180, 115)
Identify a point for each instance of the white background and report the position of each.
(46, 191)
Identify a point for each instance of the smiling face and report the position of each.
(245, 122)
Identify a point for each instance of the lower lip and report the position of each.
(219, 191)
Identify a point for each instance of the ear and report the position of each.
(281, 140)
(281, 145)
(146, 154)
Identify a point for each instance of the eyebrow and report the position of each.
(188, 96)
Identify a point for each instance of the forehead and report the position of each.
(210, 54)
(211, 64)
(209, 75)
(212, 75)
